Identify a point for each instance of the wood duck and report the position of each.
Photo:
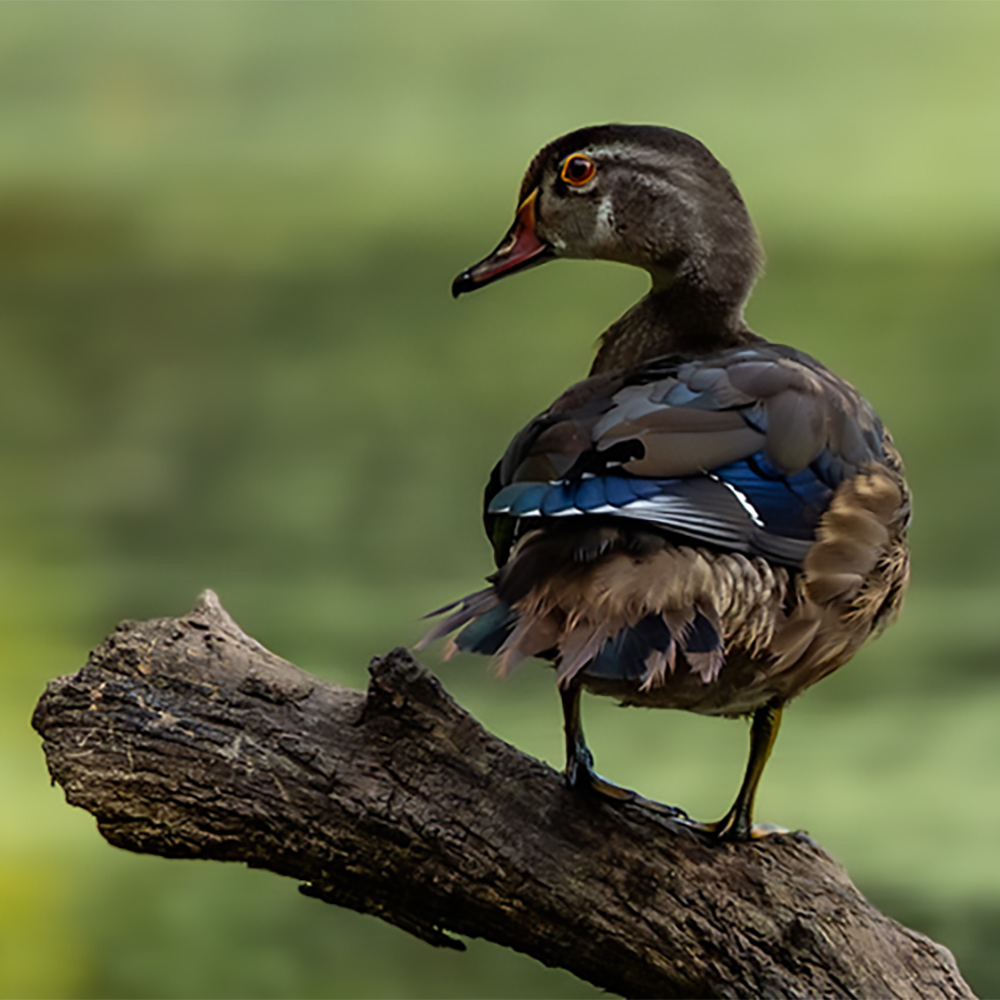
(709, 521)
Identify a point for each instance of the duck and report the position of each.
(709, 521)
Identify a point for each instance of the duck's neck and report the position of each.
(678, 320)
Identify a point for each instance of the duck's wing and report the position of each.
(742, 450)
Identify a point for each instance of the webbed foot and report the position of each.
(732, 830)
(581, 776)
(737, 826)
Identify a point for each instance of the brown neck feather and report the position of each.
(674, 320)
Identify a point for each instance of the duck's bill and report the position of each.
(519, 250)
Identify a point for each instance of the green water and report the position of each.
(228, 358)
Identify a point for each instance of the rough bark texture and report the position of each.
(186, 738)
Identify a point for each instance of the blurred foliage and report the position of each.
(228, 358)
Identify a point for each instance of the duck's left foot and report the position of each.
(581, 776)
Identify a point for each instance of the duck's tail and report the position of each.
(611, 607)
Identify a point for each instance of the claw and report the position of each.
(728, 830)
(761, 831)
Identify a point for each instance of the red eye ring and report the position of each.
(578, 170)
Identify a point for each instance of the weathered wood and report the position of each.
(186, 738)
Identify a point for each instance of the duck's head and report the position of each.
(643, 195)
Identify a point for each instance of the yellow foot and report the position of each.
(761, 831)
(729, 830)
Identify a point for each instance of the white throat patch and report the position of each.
(604, 230)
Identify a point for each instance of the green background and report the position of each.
(228, 358)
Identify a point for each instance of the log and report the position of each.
(188, 739)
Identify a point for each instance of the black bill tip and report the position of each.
(465, 282)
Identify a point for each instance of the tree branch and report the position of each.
(188, 739)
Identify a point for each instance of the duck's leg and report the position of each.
(580, 773)
(738, 823)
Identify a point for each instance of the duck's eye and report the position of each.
(578, 169)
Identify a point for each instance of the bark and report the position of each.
(188, 739)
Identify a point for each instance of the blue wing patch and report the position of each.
(790, 506)
(748, 506)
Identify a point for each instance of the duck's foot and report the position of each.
(737, 826)
(581, 776)
(731, 829)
